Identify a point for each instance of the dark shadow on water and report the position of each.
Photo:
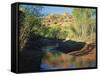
(30, 56)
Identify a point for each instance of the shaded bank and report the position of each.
(32, 53)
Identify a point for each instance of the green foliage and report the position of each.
(83, 29)
(81, 25)
(85, 23)
(28, 20)
(54, 32)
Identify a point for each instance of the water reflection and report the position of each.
(53, 59)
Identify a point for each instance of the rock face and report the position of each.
(58, 19)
